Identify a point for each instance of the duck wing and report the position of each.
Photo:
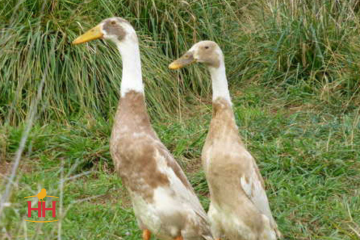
(183, 187)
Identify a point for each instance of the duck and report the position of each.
(239, 207)
(164, 202)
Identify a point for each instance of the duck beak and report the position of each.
(92, 34)
(186, 59)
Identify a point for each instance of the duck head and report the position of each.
(115, 29)
(207, 52)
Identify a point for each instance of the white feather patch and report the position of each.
(254, 189)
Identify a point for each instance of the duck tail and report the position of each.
(278, 233)
(207, 237)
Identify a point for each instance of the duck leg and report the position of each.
(146, 234)
(179, 238)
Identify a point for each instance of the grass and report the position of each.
(309, 158)
(293, 72)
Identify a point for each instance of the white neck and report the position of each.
(219, 82)
(131, 73)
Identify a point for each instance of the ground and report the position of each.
(307, 150)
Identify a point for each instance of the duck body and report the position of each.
(163, 199)
(239, 207)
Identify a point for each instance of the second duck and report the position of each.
(239, 208)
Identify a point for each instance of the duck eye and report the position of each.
(206, 47)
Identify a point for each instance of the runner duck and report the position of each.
(239, 208)
(163, 200)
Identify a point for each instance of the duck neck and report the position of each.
(223, 120)
(131, 112)
(219, 83)
(131, 72)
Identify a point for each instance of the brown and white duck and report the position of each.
(239, 208)
(163, 200)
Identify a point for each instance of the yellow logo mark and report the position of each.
(41, 206)
(41, 195)
(42, 221)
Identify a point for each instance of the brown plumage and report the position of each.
(133, 145)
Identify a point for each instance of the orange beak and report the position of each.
(92, 34)
(186, 59)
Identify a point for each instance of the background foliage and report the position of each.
(293, 73)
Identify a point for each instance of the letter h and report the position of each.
(53, 209)
(34, 209)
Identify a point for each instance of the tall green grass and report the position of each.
(272, 42)
(86, 79)
(315, 41)
(310, 43)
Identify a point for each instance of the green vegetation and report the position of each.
(293, 73)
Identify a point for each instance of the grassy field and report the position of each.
(293, 73)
